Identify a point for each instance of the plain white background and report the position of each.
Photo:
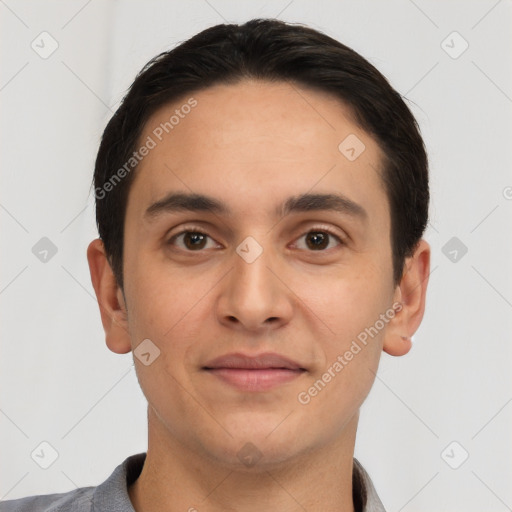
(59, 382)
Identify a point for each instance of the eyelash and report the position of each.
(323, 229)
(315, 229)
(184, 232)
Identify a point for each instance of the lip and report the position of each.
(254, 373)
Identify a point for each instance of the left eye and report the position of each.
(193, 241)
(317, 241)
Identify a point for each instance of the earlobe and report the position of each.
(410, 294)
(397, 345)
(110, 299)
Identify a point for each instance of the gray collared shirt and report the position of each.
(112, 494)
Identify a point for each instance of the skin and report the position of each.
(252, 146)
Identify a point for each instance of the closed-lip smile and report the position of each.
(254, 372)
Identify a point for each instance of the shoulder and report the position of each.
(79, 500)
(110, 496)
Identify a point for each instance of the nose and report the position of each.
(253, 297)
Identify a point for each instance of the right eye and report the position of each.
(193, 241)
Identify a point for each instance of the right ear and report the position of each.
(110, 299)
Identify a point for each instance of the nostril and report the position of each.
(232, 318)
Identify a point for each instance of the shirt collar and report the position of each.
(112, 495)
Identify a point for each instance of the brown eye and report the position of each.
(193, 241)
(318, 241)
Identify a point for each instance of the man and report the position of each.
(261, 196)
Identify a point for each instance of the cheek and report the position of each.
(168, 310)
(348, 308)
(350, 352)
(347, 300)
(158, 297)
(171, 310)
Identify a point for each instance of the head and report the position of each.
(262, 188)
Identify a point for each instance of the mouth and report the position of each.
(254, 373)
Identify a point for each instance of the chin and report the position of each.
(255, 457)
(259, 444)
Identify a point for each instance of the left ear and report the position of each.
(410, 294)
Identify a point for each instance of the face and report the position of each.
(256, 254)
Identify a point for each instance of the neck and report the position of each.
(175, 478)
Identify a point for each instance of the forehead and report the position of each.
(254, 143)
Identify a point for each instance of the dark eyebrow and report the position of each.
(174, 202)
(185, 202)
(315, 202)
